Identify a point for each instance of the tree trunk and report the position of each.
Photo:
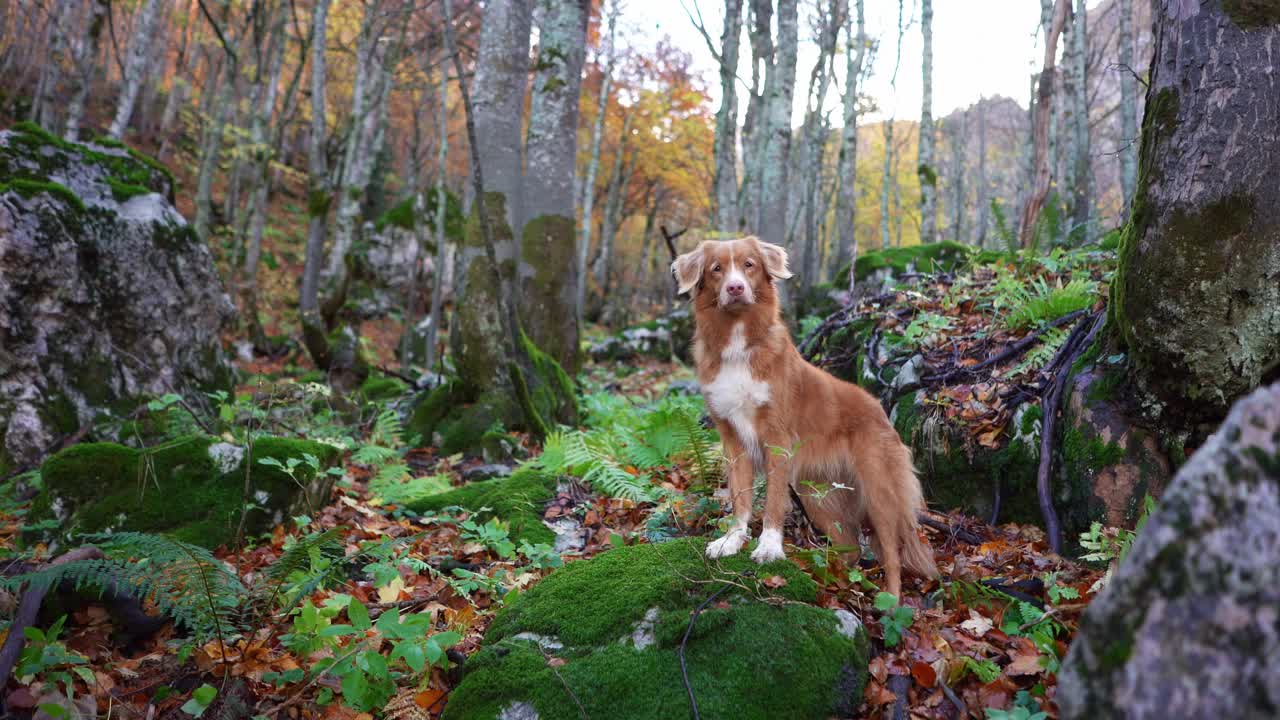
(86, 61)
(211, 150)
(889, 178)
(847, 200)
(725, 182)
(1196, 297)
(958, 191)
(984, 201)
(437, 286)
(813, 142)
(476, 334)
(755, 132)
(135, 68)
(179, 88)
(925, 169)
(600, 269)
(319, 196)
(549, 283)
(44, 97)
(1128, 149)
(593, 165)
(1042, 176)
(1081, 173)
(775, 188)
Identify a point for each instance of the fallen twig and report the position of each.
(684, 670)
(957, 533)
(900, 686)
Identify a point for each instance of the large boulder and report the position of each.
(106, 295)
(608, 633)
(191, 488)
(1189, 626)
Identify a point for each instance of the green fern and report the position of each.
(1042, 303)
(307, 564)
(1037, 357)
(185, 581)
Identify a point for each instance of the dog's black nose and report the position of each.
(736, 288)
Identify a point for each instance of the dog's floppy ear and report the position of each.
(688, 268)
(775, 260)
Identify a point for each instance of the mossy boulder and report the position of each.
(106, 296)
(1187, 625)
(609, 631)
(517, 500)
(191, 488)
(877, 265)
(657, 338)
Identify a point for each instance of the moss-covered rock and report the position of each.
(1187, 625)
(106, 296)
(657, 338)
(614, 626)
(191, 488)
(456, 418)
(518, 500)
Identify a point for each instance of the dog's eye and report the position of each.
(715, 268)
(749, 264)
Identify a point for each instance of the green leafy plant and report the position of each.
(200, 700)
(1039, 302)
(985, 670)
(1058, 592)
(895, 619)
(493, 534)
(45, 657)
(1024, 707)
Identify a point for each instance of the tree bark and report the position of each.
(437, 281)
(548, 281)
(488, 249)
(593, 165)
(1081, 173)
(847, 200)
(86, 60)
(319, 195)
(755, 131)
(984, 201)
(601, 268)
(813, 143)
(925, 169)
(1128, 149)
(1196, 297)
(958, 191)
(725, 182)
(44, 97)
(780, 85)
(135, 68)
(1042, 176)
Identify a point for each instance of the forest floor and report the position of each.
(984, 641)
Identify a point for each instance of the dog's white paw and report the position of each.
(770, 547)
(728, 545)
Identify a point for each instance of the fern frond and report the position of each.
(186, 582)
(1043, 353)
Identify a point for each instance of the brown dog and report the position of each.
(827, 439)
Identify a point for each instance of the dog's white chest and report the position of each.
(734, 395)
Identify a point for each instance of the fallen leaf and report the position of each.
(775, 581)
(390, 592)
(924, 674)
(977, 625)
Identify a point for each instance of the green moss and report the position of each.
(553, 394)
(176, 488)
(746, 659)
(433, 407)
(28, 188)
(128, 169)
(945, 255)
(108, 142)
(1252, 14)
(518, 500)
(124, 191)
(546, 249)
(376, 389)
(928, 176)
(1032, 415)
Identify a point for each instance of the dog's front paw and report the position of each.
(728, 545)
(770, 547)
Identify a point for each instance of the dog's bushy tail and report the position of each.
(917, 556)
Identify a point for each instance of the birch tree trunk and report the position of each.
(1195, 298)
(86, 60)
(1128, 149)
(780, 83)
(925, 169)
(889, 178)
(437, 286)
(593, 165)
(725, 181)
(135, 68)
(1042, 177)
(179, 88)
(548, 281)
(478, 329)
(847, 200)
(211, 149)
